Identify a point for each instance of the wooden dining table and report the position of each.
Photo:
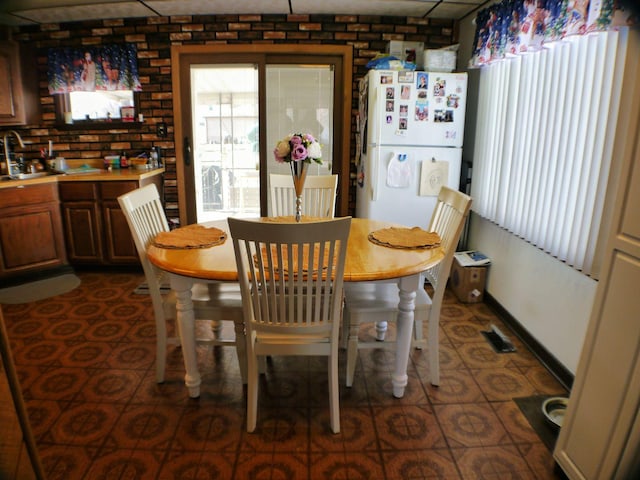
(365, 261)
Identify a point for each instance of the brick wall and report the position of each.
(154, 36)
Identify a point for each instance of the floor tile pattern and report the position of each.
(86, 365)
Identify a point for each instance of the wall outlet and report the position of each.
(161, 129)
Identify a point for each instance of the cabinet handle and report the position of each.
(186, 150)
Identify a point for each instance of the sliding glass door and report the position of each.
(232, 109)
(300, 99)
(224, 109)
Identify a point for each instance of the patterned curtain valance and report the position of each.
(518, 26)
(108, 67)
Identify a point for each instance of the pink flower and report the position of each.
(298, 147)
(299, 153)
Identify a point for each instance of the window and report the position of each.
(546, 124)
(97, 108)
(99, 105)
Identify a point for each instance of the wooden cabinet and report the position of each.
(19, 101)
(31, 235)
(81, 214)
(96, 230)
(119, 245)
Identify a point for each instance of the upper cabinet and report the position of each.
(19, 102)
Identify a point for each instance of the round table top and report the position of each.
(365, 260)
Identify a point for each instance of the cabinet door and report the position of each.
(82, 232)
(7, 102)
(119, 244)
(30, 239)
(597, 439)
(20, 100)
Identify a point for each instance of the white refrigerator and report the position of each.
(409, 143)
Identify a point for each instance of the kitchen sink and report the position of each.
(27, 176)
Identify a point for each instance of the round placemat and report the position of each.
(403, 237)
(191, 236)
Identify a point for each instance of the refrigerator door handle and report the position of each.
(373, 174)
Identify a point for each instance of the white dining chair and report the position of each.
(318, 195)
(292, 291)
(378, 301)
(214, 302)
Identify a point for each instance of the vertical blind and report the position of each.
(544, 140)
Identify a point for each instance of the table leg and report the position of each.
(406, 307)
(186, 323)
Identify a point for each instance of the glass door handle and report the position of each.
(186, 151)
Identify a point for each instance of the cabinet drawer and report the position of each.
(112, 190)
(28, 195)
(77, 191)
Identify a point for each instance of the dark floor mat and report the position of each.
(531, 408)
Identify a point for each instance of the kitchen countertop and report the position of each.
(92, 176)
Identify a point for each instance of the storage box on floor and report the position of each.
(468, 281)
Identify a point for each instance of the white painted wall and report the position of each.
(551, 300)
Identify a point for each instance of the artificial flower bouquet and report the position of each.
(298, 147)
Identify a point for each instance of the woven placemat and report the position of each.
(191, 236)
(294, 253)
(292, 219)
(402, 237)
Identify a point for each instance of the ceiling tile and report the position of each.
(86, 12)
(210, 7)
(22, 12)
(403, 8)
(452, 10)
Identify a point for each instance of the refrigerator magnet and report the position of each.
(443, 116)
(422, 81)
(391, 93)
(404, 110)
(422, 113)
(360, 176)
(405, 92)
(405, 76)
(453, 101)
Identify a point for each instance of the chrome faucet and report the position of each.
(7, 158)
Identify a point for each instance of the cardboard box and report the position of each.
(407, 51)
(468, 283)
(440, 60)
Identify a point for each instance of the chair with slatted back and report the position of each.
(214, 302)
(291, 278)
(367, 302)
(318, 196)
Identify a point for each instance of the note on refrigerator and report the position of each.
(434, 175)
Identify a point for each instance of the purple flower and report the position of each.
(297, 147)
(298, 152)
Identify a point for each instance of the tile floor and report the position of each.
(86, 365)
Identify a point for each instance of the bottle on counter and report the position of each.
(154, 157)
(124, 161)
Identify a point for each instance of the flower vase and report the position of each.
(299, 175)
